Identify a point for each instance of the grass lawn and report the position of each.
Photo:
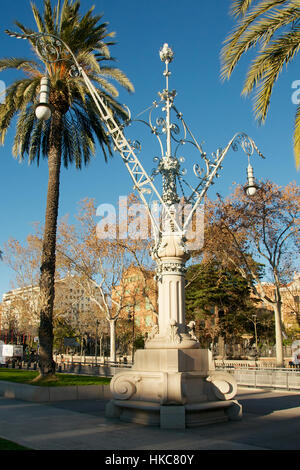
(62, 380)
(9, 445)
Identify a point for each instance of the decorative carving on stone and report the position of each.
(122, 387)
(154, 331)
(172, 333)
(172, 267)
(191, 330)
(223, 385)
(172, 245)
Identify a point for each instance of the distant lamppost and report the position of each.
(96, 340)
(255, 330)
(131, 319)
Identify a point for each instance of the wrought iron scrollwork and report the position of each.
(49, 48)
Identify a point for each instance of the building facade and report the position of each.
(290, 296)
(137, 293)
(20, 307)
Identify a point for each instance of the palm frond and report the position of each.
(25, 125)
(35, 141)
(38, 18)
(240, 7)
(228, 57)
(119, 76)
(88, 60)
(18, 64)
(262, 31)
(90, 40)
(266, 68)
(49, 17)
(273, 25)
(12, 104)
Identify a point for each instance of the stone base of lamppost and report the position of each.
(182, 341)
(173, 389)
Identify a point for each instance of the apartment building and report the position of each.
(137, 292)
(290, 296)
(20, 306)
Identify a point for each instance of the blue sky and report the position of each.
(214, 110)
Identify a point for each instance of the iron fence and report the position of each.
(288, 379)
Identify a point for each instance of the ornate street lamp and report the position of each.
(131, 319)
(251, 187)
(43, 110)
(173, 382)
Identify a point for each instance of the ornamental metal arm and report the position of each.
(49, 48)
(140, 177)
(248, 146)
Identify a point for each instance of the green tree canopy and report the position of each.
(210, 285)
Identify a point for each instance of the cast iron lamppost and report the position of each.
(254, 316)
(172, 369)
(132, 319)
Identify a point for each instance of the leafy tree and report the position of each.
(274, 27)
(218, 298)
(71, 134)
(211, 284)
(101, 265)
(62, 329)
(247, 233)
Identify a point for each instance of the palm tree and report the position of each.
(274, 26)
(71, 134)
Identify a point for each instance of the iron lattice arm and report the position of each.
(49, 48)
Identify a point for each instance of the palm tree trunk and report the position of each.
(47, 274)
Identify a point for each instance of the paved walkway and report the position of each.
(271, 421)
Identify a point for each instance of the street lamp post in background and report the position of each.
(96, 341)
(255, 330)
(172, 369)
(131, 319)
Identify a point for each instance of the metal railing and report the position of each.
(261, 363)
(278, 379)
(287, 378)
(90, 367)
(246, 373)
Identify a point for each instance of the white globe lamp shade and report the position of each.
(43, 111)
(250, 190)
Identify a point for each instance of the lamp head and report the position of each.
(250, 190)
(43, 111)
(251, 187)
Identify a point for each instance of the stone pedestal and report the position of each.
(173, 383)
(174, 389)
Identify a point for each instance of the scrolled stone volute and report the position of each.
(122, 387)
(223, 385)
